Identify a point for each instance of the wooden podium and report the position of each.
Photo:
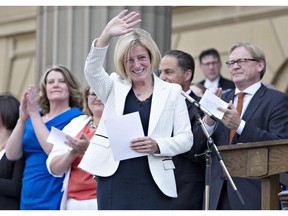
(259, 160)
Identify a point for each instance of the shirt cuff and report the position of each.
(241, 127)
(93, 45)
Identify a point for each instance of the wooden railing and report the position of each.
(260, 160)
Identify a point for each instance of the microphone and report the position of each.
(198, 105)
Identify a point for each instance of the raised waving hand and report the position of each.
(121, 24)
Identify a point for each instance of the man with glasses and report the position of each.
(263, 117)
(210, 64)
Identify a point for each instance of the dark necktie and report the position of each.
(239, 110)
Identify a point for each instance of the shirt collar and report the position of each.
(188, 92)
(214, 83)
(251, 89)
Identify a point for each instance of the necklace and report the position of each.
(92, 125)
(48, 118)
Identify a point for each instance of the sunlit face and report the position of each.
(138, 64)
(246, 74)
(211, 67)
(95, 104)
(56, 87)
(169, 71)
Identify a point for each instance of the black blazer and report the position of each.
(190, 171)
(11, 173)
(266, 119)
(224, 83)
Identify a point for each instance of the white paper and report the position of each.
(211, 102)
(57, 137)
(121, 131)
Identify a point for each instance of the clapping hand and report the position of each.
(231, 118)
(29, 103)
(32, 100)
(23, 111)
(79, 146)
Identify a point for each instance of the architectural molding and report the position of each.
(220, 15)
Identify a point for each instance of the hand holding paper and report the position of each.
(211, 102)
(121, 131)
(58, 137)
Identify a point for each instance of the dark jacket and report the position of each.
(266, 119)
(224, 83)
(190, 171)
(11, 173)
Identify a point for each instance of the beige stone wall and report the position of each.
(193, 29)
(198, 28)
(17, 48)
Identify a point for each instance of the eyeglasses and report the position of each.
(92, 94)
(210, 63)
(240, 62)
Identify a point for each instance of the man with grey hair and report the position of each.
(263, 117)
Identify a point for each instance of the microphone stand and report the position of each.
(208, 161)
(211, 147)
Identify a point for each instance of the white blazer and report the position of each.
(168, 115)
(72, 129)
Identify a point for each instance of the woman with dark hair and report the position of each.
(60, 101)
(10, 171)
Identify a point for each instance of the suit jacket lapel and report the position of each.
(123, 89)
(188, 103)
(254, 103)
(191, 108)
(160, 95)
(229, 96)
(220, 83)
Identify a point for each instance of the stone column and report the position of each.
(65, 33)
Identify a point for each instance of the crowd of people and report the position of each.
(170, 169)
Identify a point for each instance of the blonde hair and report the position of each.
(75, 96)
(127, 41)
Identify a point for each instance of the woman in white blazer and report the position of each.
(79, 187)
(145, 182)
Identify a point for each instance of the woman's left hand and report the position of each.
(145, 145)
(79, 146)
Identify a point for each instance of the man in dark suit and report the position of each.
(178, 67)
(264, 117)
(210, 64)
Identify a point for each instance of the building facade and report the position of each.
(33, 38)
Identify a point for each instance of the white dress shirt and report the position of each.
(212, 85)
(249, 93)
